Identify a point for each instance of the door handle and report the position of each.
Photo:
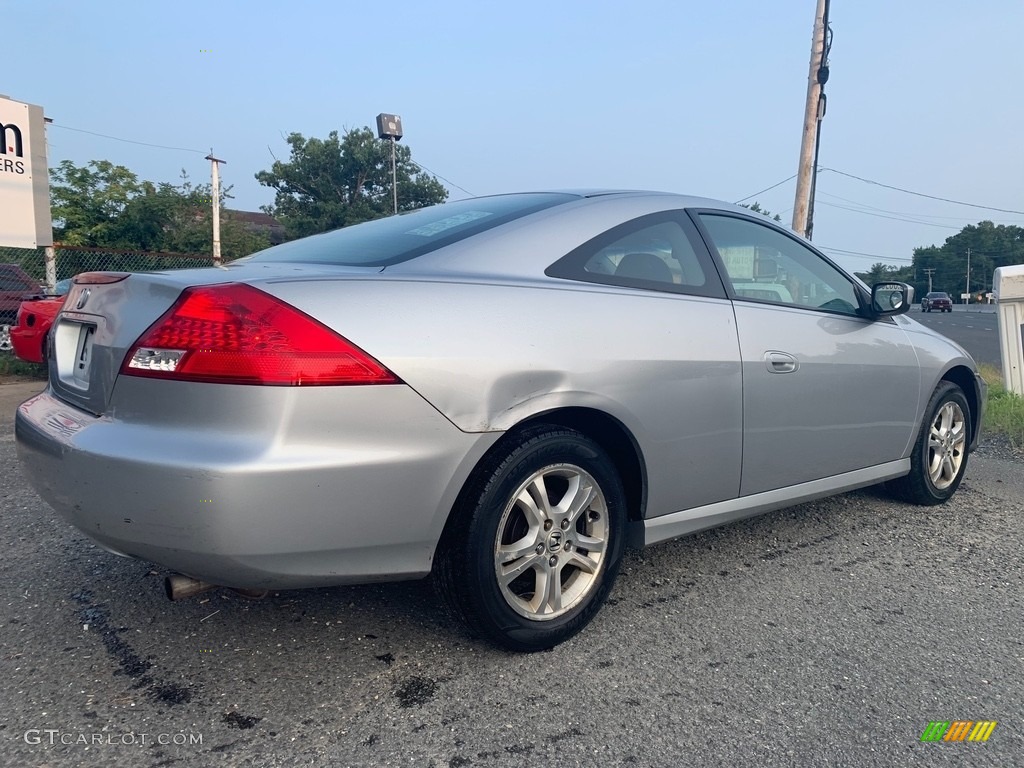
(781, 362)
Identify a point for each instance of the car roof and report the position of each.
(525, 247)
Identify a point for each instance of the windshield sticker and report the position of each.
(429, 230)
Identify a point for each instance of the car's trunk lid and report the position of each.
(100, 322)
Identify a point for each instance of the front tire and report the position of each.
(535, 541)
(939, 458)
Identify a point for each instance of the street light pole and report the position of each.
(390, 127)
(394, 175)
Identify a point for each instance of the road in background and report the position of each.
(827, 634)
(976, 330)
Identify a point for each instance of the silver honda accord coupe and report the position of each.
(502, 392)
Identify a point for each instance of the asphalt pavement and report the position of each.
(973, 328)
(829, 634)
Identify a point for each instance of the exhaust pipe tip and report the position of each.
(180, 587)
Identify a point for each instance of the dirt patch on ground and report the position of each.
(14, 393)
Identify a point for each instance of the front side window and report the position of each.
(764, 264)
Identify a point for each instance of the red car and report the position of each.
(32, 326)
(938, 300)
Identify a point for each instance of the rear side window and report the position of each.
(658, 252)
(399, 238)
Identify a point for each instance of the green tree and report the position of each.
(106, 206)
(86, 201)
(334, 182)
(989, 245)
(756, 208)
(189, 227)
(880, 273)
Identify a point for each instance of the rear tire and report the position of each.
(535, 540)
(939, 457)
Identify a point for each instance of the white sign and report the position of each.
(739, 261)
(965, 296)
(24, 180)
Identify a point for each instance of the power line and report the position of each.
(126, 141)
(773, 186)
(883, 216)
(442, 178)
(922, 194)
(897, 213)
(862, 255)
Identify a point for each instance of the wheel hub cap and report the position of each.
(555, 542)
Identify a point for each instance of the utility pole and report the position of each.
(215, 195)
(967, 287)
(813, 112)
(930, 271)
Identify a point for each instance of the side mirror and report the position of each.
(888, 299)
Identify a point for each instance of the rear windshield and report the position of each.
(408, 235)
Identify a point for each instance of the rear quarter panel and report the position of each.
(489, 355)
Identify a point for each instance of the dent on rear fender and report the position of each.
(517, 393)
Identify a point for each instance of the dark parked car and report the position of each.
(937, 300)
(15, 285)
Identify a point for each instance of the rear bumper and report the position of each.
(264, 487)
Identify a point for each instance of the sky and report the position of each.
(701, 98)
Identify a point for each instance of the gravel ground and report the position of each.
(828, 634)
(998, 447)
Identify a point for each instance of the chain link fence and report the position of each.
(71, 260)
(23, 272)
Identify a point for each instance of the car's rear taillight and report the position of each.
(237, 334)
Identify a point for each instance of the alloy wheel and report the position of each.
(551, 542)
(947, 439)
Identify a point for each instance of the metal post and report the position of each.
(215, 201)
(50, 258)
(49, 254)
(394, 174)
